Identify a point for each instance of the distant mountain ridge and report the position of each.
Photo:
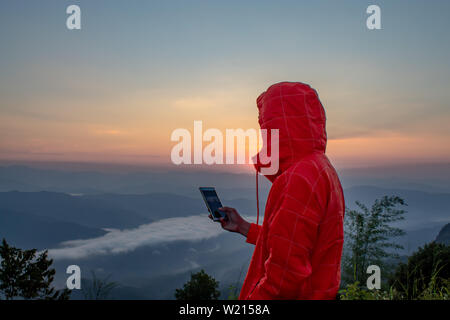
(25, 230)
(424, 209)
(23, 178)
(423, 177)
(87, 212)
(444, 235)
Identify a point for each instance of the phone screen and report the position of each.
(212, 202)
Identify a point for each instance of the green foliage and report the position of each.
(369, 237)
(234, 289)
(97, 288)
(233, 293)
(200, 287)
(354, 291)
(435, 292)
(24, 274)
(424, 277)
(426, 274)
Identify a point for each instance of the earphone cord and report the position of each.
(257, 199)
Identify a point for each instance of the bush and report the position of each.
(424, 277)
(200, 287)
(354, 291)
(426, 274)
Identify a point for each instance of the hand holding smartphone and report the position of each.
(212, 202)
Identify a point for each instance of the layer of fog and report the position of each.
(192, 228)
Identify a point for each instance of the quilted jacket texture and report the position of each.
(299, 245)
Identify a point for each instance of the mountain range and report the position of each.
(86, 211)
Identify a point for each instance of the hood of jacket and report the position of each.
(295, 110)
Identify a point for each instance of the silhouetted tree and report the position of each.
(200, 287)
(369, 237)
(24, 274)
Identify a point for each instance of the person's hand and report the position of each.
(234, 221)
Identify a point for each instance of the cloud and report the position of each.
(192, 228)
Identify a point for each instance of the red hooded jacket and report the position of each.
(299, 245)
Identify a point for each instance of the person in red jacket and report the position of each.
(299, 245)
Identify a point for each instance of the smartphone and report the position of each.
(212, 202)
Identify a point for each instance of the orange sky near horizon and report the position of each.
(135, 127)
(140, 132)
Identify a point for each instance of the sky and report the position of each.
(115, 90)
